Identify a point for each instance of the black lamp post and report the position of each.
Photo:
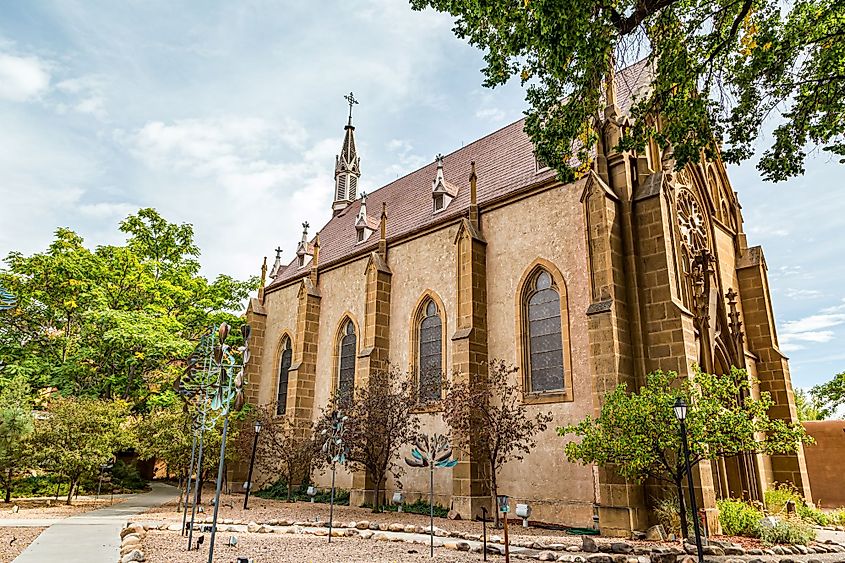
(680, 408)
(251, 463)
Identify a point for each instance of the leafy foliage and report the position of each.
(115, 321)
(278, 490)
(667, 511)
(738, 518)
(810, 407)
(790, 531)
(492, 418)
(76, 436)
(829, 396)
(16, 426)
(637, 433)
(419, 506)
(720, 69)
(379, 424)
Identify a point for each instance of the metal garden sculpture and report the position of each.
(214, 381)
(7, 300)
(431, 452)
(335, 451)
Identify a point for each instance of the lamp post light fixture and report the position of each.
(504, 508)
(398, 500)
(311, 491)
(248, 484)
(680, 408)
(524, 512)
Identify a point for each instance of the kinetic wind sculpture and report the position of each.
(7, 300)
(336, 452)
(431, 452)
(214, 380)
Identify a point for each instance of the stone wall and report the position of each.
(825, 460)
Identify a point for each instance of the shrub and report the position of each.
(813, 515)
(837, 517)
(667, 511)
(789, 531)
(125, 477)
(739, 518)
(777, 497)
(419, 506)
(279, 491)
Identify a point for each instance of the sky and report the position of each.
(228, 116)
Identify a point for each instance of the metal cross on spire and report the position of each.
(350, 98)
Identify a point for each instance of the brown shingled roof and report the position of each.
(504, 163)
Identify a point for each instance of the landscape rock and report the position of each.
(733, 550)
(573, 548)
(621, 547)
(453, 515)
(132, 529)
(713, 550)
(362, 525)
(547, 556)
(134, 555)
(366, 534)
(600, 558)
(656, 533)
(663, 557)
(252, 527)
(588, 545)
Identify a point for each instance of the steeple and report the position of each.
(347, 169)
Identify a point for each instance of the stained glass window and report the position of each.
(346, 372)
(284, 368)
(430, 354)
(544, 341)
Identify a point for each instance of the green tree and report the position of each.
(810, 407)
(830, 396)
(76, 436)
(637, 433)
(116, 321)
(721, 68)
(16, 426)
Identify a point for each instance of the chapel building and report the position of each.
(485, 255)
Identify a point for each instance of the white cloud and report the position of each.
(495, 115)
(85, 95)
(814, 329)
(22, 78)
(798, 294)
(766, 230)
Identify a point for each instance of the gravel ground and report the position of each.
(50, 509)
(15, 540)
(169, 547)
(263, 510)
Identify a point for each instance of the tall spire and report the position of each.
(347, 169)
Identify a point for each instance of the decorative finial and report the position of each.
(263, 272)
(439, 160)
(305, 226)
(278, 253)
(350, 98)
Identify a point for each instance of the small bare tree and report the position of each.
(491, 418)
(379, 424)
(284, 447)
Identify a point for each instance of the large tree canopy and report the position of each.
(115, 321)
(721, 68)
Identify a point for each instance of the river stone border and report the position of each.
(589, 552)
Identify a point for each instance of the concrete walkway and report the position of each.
(92, 537)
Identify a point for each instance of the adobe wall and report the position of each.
(825, 460)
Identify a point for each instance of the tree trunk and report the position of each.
(9, 486)
(181, 493)
(494, 490)
(682, 506)
(129, 381)
(73, 481)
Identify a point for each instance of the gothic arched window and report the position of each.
(346, 364)
(284, 368)
(429, 353)
(542, 334)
